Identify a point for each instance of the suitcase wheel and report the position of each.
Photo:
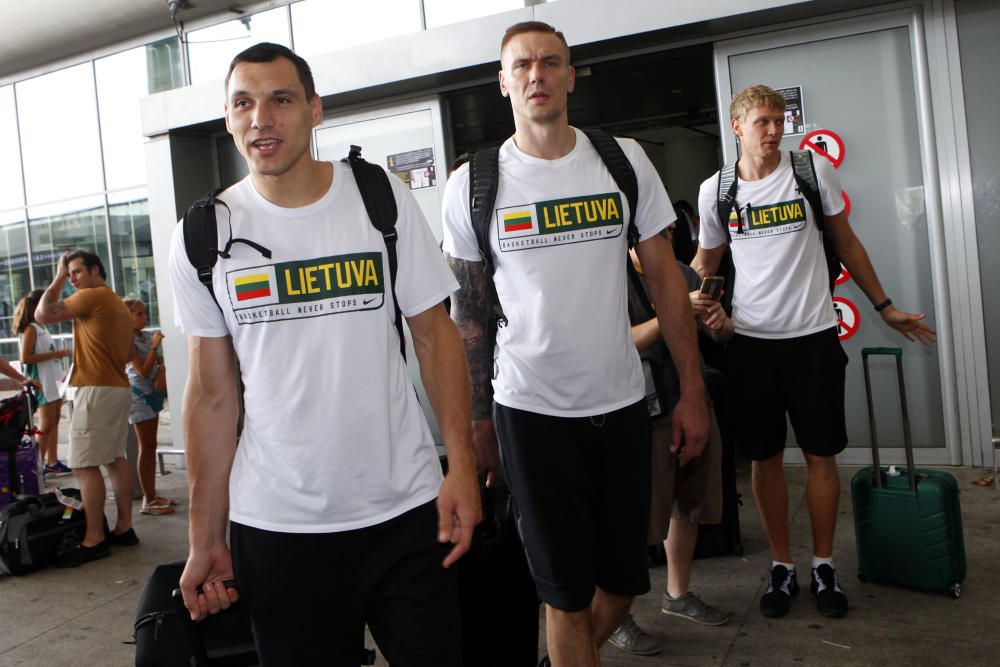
(956, 590)
(861, 576)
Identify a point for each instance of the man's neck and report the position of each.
(754, 168)
(300, 186)
(548, 141)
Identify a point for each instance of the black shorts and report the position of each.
(581, 489)
(310, 594)
(802, 376)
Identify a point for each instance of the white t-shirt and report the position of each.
(782, 287)
(559, 243)
(334, 437)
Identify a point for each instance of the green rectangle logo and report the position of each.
(576, 213)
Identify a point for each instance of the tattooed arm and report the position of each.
(471, 312)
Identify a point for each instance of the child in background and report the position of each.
(147, 401)
(40, 361)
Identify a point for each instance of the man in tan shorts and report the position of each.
(686, 491)
(102, 340)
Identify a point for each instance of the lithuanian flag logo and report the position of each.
(516, 221)
(252, 287)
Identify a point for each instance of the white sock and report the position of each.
(817, 561)
(788, 566)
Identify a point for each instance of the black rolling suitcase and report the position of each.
(165, 635)
(497, 597)
(722, 539)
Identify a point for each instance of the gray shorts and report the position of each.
(98, 430)
(692, 494)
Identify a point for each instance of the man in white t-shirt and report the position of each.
(568, 387)
(786, 353)
(338, 515)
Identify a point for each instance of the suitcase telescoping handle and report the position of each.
(907, 442)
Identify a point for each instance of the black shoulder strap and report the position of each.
(808, 184)
(201, 238)
(621, 170)
(484, 179)
(726, 198)
(380, 202)
(805, 179)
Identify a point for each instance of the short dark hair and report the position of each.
(89, 259)
(267, 52)
(531, 26)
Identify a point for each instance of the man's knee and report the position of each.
(821, 468)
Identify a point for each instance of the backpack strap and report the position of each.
(201, 238)
(617, 163)
(808, 184)
(726, 199)
(380, 202)
(484, 179)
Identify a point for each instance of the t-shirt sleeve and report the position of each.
(830, 190)
(423, 278)
(195, 312)
(459, 237)
(82, 302)
(711, 233)
(654, 211)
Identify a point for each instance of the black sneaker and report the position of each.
(80, 554)
(781, 586)
(126, 539)
(830, 600)
(545, 662)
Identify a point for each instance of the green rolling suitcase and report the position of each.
(908, 526)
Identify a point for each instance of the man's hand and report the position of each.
(208, 569)
(484, 445)
(909, 324)
(62, 267)
(459, 511)
(690, 427)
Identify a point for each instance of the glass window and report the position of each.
(443, 12)
(164, 69)
(132, 249)
(11, 187)
(320, 26)
(54, 229)
(59, 136)
(211, 49)
(121, 80)
(15, 280)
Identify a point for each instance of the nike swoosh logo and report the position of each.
(611, 231)
(365, 302)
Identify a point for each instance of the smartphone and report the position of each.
(712, 286)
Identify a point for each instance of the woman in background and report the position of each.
(40, 361)
(147, 401)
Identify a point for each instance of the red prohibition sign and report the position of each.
(848, 318)
(844, 276)
(826, 144)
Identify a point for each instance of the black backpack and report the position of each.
(484, 177)
(201, 229)
(808, 185)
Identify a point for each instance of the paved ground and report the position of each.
(82, 617)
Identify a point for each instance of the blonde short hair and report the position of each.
(755, 96)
